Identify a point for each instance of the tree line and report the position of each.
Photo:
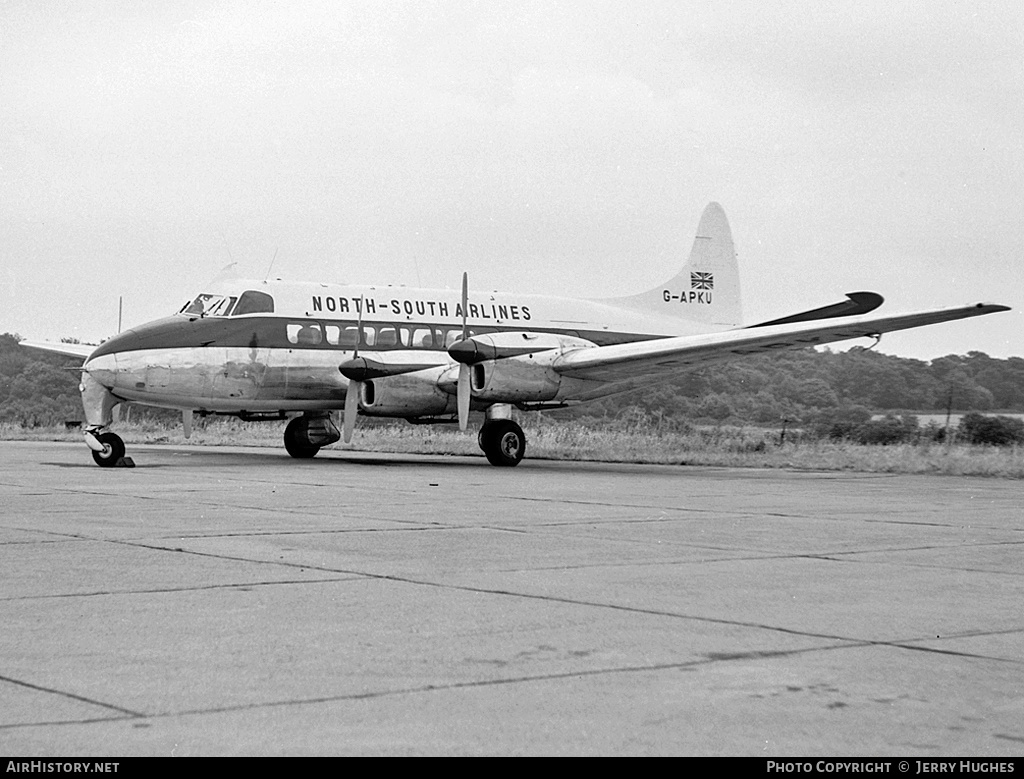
(802, 385)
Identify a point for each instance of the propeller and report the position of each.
(355, 388)
(464, 389)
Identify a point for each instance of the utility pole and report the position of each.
(949, 412)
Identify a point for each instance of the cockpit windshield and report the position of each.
(250, 302)
(209, 305)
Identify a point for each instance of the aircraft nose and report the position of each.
(102, 368)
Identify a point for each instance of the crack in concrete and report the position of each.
(70, 696)
(431, 688)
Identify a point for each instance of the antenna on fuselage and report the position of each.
(227, 246)
(120, 310)
(271, 266)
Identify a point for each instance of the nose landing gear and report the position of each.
(107, 448)
(98, 402)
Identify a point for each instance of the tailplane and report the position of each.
(707, 289)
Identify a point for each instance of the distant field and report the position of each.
(746, 447)
(954, 419)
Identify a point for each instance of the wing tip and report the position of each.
(80, 351)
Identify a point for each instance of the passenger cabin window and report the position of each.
(452, 336)
(376, 336)
(306, 334)
(387, 337)
(423, 338)
(342, 336)
(253, 302)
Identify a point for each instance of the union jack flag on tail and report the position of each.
(702, 280)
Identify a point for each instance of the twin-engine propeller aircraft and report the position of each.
(276, 349)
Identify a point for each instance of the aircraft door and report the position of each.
(311, 370)
(240, 374)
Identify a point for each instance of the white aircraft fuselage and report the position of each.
(287, 359)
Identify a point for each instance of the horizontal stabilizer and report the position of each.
(856, 304)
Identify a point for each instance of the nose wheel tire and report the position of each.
(503, 442)
(113, 450)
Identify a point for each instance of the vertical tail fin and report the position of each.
(707, 289)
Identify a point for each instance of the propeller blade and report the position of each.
(464, 389)
(465, 303)
(351, 407)
(463, 396)
(359, 328)
(355, 388)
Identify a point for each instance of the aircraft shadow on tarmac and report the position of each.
(185, 459)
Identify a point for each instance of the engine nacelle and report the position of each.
(406, 395)
(521, 370)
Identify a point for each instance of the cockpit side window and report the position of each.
(253, 302)
(208, 305)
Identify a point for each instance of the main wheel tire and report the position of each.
(504, 443)
(295, 441)
(113, 450)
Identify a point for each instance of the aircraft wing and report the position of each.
(68, 350)
(621, 362)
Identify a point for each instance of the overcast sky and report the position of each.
(556, 147)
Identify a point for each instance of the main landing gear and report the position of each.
(503, 442)
(305, 435)
(295, 441)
